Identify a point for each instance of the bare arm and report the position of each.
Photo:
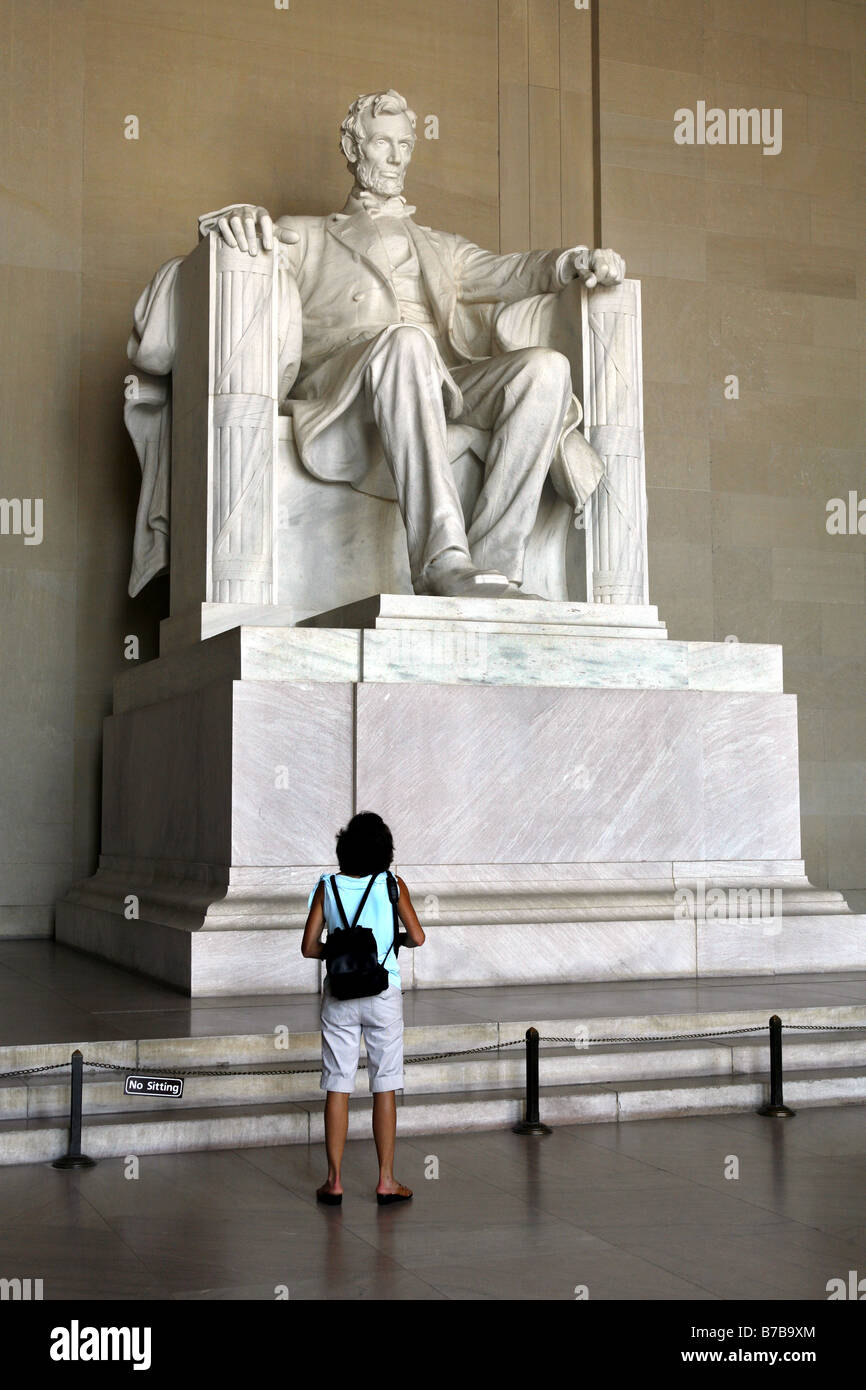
(414, 934)
(311, 946)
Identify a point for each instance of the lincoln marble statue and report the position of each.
(395, 347)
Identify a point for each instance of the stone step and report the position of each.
(224, 1127)
(608, 1080)
(525, 615)
(47, 1094)
(236, 1049)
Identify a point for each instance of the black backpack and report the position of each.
(351, 954)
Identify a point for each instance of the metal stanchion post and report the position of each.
(531, 1124)
(776, 1106)
(74, 1158)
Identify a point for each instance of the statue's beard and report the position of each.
(367, 176)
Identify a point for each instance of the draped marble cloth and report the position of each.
(484, 304)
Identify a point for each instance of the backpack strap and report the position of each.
(393, 894)
(339, 901)
(364, 898)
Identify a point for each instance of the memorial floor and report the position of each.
(728, 1206)
(632, 1211)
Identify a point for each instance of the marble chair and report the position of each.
(253, 517)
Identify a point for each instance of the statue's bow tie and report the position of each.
(390, 207)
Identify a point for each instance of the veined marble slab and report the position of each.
(263, 772)
(237, 930)
(264, 897)
(203, 620)
(523, 615)
(478, 955)
(455, 880)
(456, 655)
(230, 773)
(528, 629)
(793, 943)
(451, 654)
(292, 770)
(267, 960)
(511, 774)
(291, 654)
(734, 666)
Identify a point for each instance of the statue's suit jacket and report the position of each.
(346, 298)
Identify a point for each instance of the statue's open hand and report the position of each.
(240, 226)
(596, 267)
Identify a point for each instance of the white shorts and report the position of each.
(380, 1018)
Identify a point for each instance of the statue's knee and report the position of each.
(549, 366)
(409, 343)
(547, 371)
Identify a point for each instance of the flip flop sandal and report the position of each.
(330, 1199)
(387, 1199)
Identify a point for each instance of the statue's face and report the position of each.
(384, 153)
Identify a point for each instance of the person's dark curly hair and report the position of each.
(365, 845)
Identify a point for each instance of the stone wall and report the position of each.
(753, 265)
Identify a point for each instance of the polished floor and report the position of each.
(642, 1210)
(722, 1207)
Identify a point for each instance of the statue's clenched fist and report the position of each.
(241, 224)
(593, 267)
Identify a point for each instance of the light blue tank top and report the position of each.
(378, 913)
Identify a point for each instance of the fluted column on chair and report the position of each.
(616, 516)
(244, 415)
(224, 408)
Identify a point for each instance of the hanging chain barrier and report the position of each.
(531, 1124)
(560, 1040)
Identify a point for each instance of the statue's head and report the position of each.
(378, 137)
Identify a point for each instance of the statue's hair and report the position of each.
(352, 130)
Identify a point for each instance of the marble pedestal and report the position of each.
(573, 797)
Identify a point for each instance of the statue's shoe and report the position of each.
(461, 581)
(514, 591)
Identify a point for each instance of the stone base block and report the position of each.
(199, 963)
(580, 829)
(486, 924)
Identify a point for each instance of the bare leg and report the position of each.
(336, 1129)
(385, 1135)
